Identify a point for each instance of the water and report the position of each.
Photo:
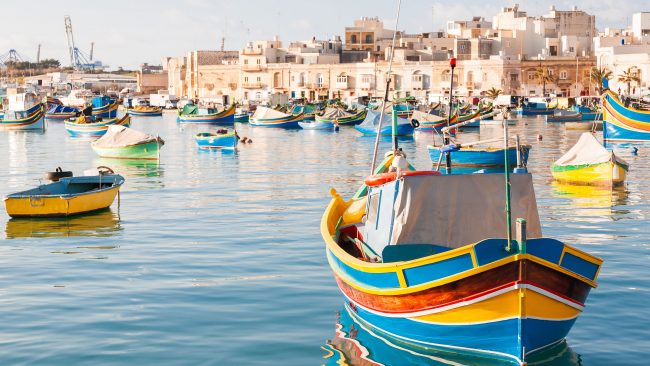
(215, 258)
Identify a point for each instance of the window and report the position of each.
(293, 78)
(366, 79)
(531, 75)
(514, 77)
(550, 72)
(319, 80)
(461, 46)
(342, 79)
(564, 75)
(368, 38)
(353, 38)
(259, 79)
(417, 78)
(485, 77)
(571, 49)
(259, 62)
(246, 79)
(245, 61)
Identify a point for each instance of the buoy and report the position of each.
(250, 141)
(539, 137)
(635, 151)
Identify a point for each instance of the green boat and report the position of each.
(121, 142)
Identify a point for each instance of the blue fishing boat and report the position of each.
(91, 126)
(535, 109)
(370, 125)
(475, 156)
(621, 123)
(29, 119)
(59, 112)
(222, 139)
(314, 125)
(104, 107)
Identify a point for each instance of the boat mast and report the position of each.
(452, 63)
(383, 103)
(507, 176)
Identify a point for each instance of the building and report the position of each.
(151, 79)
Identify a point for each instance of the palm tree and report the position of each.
(542, 74)
(493, 92)
(629, 76)
(597, 75)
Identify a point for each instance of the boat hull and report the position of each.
(317, 125)
(387, 130)
(604, 174)
(477, 157)
(149, 150)
(210, 141)
(286, 122)
(33, 121)
(225, 116)
(96, 129)
(535, 112)
(241, 117)
(155, 113)
(624, 124)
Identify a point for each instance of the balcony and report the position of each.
(252, 68)
(251, 51)
(256, 85)
(417, 84)
(341, 85)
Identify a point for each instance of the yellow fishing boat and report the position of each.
(589, 163)
(66, 196)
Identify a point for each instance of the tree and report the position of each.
(493, 92)
(628, 77)
(543, 75)
(597, 75)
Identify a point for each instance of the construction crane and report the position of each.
(11, 56)
(77, 59)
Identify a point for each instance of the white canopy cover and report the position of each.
(587, 151)
(456, 210)
(268, 113)
(121, 136)
(335, 112)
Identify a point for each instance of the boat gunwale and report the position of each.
(117, 183)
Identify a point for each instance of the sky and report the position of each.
(128, 33)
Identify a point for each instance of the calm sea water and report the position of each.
(215, 258)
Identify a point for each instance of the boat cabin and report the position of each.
(421, 215)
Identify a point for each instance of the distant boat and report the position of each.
(589, 163)
(193, 114)
(121, 142)
(59, 112)
(317, 125)
(535, 109)
(30, 119)
(481, 156)
(222, 139)
(621, 123)
(145, 111)
(370, 125)
(267, 117)
(67, 196)
(93, 127)
(104, 107)
(563, 115)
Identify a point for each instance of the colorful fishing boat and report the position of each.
(341, 117)
(59, 112)
(121, 142)
(535, 109)
(51, 101)
(193, 114)
(241, 115)
(475, 155)
(563, 115)
(426, 122)
(589, 163)
(104, 107)
(621, 123)
(308, 111)
(30, 119)
(222, 139)
(371, 123)
(316, 125)
(93, 127)
(267, 117)
(67, 196)
(145, 111)
(421, 258)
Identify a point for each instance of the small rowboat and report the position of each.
(145, 111)
(589, 163)
(31, 119)
(220, 140)
(121, 142)
(194, 114)
(481, 156)
(267, 117)
(79, 126)
(317, 125)
(67, 196)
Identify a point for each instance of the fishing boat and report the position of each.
(145, 111)
(241, 115)
(563, 115)
(59, 112)
(66, 196)
(621, 123)
(30, 119)
(530, 108)
(428, 122)
(193, 114)
(370, 125)
(92, 126)
(268, 117)
(104, 107)
(481, 154)
(222, 139)
(314, 125)
(341, 117)
(589, 163)
(121, 142)
(308, 111)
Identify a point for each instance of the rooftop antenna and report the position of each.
(383, 103)
(38, 54)
(92, 50)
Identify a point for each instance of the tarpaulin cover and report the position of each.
(426, 117)
(268, 113)
(372, 119)
(121, 136)
(456, 210)
(190, 109)
(588, 150)
(335, 112)
(62, 109)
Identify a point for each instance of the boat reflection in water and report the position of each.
(356, 343)
(102, 223)
(596, 199)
